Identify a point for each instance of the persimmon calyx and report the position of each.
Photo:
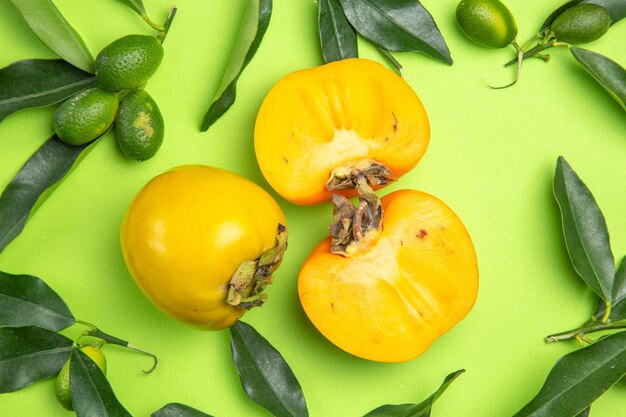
(355, 225)
(373, 172)
(247, 284)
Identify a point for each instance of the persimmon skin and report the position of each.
(186, 233)
(400, 291)
(333, 116)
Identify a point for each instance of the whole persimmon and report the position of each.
(392, 285)
(202, 243)
(319, 128)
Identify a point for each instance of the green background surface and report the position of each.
(491, 158)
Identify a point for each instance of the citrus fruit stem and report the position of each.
(93, 331)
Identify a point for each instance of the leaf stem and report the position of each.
(93, 331)
(393, 61)
(586, 329)
(607, 312)
(151, 23)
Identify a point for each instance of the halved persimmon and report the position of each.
(404, 283)
(318, 126)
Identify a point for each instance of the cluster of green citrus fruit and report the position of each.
(122, 70)
(491, 24)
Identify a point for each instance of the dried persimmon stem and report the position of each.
(354, 225)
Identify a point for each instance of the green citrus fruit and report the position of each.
(582, 23)
(63, 391)
(128, 62)
(488, 23)
(139, 128)
(85, 116)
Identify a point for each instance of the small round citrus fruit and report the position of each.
(582, 23)
(85, 116)
(139, 126)
(488, 23)
(128, 62)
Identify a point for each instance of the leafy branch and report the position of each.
(398, 26)
(579, 378)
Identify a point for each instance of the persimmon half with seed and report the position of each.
(403, 284)
(317, 126)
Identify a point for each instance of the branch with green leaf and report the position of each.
(292, 407)
(82, 85)
(396, 26)
(575, 22)
(579, 378)
(31, 349)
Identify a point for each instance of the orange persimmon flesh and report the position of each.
(401, 290)
(334, 116)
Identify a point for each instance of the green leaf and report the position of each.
(253, 27)
(618, 297)
(617, 9)
(47, 166)
(585, 412)
(29, 354)
(402, 25)
(136, 5)
(26, 300)
(265, 376)
(38, 83)
(337, 37)
(50, 26)
(178, 410)
(92, 395)
(578, 378)
(607, 72)
(585, 231)
(415, 410)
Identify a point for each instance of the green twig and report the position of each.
(166, 26)
(586, 329)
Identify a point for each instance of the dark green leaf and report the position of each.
(48, 165)
(607, 72)
(92, 395)
(617, 9)
(415, 410)
(618, 309)
(50, 26)
(619, 283)
(29, 354)
(26, 300)
(578, 378)
(178, 410)
(136, 5)
(402, 25)
(38, 83)
(585, 412)
(585, 231)
(337, 37)
(253, 27)
(265, 376)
